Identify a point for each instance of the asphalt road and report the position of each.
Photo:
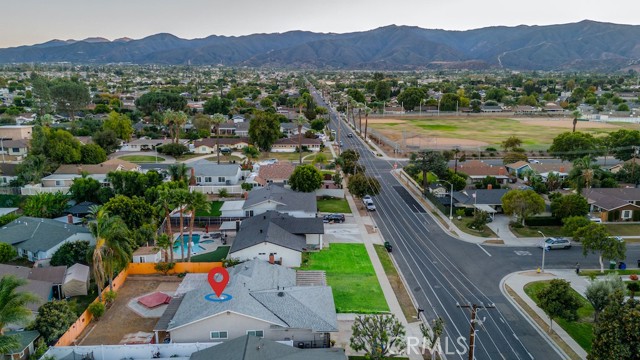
(443, 272)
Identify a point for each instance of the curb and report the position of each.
(525, 315)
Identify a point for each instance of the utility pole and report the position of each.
(472, 331)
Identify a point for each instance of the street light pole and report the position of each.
(544, 249)
(451, 200)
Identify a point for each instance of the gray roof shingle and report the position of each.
(287, 200)
(254, 286)
(210, 168)
(254, 348)
(36, 234)
(276, 228)
(483, 196)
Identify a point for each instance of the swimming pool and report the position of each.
(195, 248)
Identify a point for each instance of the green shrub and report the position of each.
(96, 309)
(164, 267)
(110, 296)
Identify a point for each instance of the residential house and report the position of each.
(617, 167)
(208, 145)
(242, 129)
(37, 239)
(80, 210)
(273, 197)
(489, 200)
(65, 174)
(562, 170)
(526, 110)
(552, 108)
(273, 236)
(209, 173)
(264, 300)
(278, 173)
(16, 132)
(17, 148)
(26, 118)
(291, 145)
(491, 108)
(237, 118)
(227, 128)
(26, 345)
(251, 347)
(290, 129)
(614, 204)
(147, 144)
(518, 167)
(45, 283)
(8, 173)
(479, 170)
(147, 254)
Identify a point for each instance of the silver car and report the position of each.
(556, 243)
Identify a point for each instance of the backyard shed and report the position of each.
(76, 281)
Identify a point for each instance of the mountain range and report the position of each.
(586, 45)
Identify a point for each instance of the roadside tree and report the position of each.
(557, 300)
(596, 240)
(360, 185)
(570, 146)
(616, 332)
(599, 292)
(305, 178)
(429, 161)
(522, 203)
(569, 205)
(377, 335)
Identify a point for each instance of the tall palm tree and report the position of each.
(112, 248)
(174, 120)
(180, 197)
(300, 120)
(195, 201)
(178, 172)
(576, 116)
(13, 309)
(165, 203)
(217, 120)
(354, 105)
(360, 107)
(584, 172)
(367, 110)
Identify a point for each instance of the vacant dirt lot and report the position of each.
(119, 319)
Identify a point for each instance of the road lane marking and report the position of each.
(483, 249)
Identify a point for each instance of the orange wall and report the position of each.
(134, 269)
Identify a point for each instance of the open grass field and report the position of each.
(474, 131)
(214, 209)
(351, 276)
(142, 158)
(582, 330)
(334, 206)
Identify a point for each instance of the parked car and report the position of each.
(387, 245)
(556, 243)
(225, 150)
(350, 135)
(367, 198)
(370, 206)
(333, 218)
(595, 219)
(534, 161)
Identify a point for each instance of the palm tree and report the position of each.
(178, 172)
(112, 248)
(300, 120)
(180, 196)
(166, 202)
(195, 201)
(13, 309)
(354, 105)
(163, 242)
(576, 116)
(217, 120)
(584, 172)
(367, 110)
(360, 106)
(174, 121)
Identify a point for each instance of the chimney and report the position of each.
(272, 259)
(489, 186)
(561, 169)
(192, 179)
(70, 219)
(246, 195)
(501, 171)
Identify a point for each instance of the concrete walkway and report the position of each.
(412, 329)
(500, 226)
(517, 281)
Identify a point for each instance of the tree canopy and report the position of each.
(69, 96)
(411, 97)
(53, 319)
(378, 335)
(596, 239)
(360, 185)
(305, 178)
(557, 300)
(616, 332)
(71, 253)
(120, 124)
(159, 101)
(573, 145)
(569, 205)
(264, 130)
(522, 203)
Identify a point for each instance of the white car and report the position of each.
(367, 198)
(534, 161)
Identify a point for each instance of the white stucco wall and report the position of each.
(290, 258)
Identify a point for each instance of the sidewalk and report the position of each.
(516, 283)
(500, 226)
(412, 329)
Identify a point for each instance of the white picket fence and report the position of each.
(231, 189)
(35, 190)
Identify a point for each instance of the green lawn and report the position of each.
(607, 271)
(462, 225)
(214, 209)
(582, 330)
(334, 206)
(532, 231)
(217, 255)
(623, 229)
(142, 158)
(351, 276)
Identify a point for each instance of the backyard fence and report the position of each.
(213, 190)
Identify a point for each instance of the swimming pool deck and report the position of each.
(209, 244)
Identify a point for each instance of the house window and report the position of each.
(207, 179)
(21, 355)
(218, 335)
(626, 214)
(221, 179)
(259, 254)
(59, 183)
(141, 259)
(248, 213)
(198, 179)
(258, 333)
(15, 150)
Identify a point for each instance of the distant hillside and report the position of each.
(586, 45)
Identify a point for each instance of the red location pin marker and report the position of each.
(218, 287)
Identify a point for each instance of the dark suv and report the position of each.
(333, 218)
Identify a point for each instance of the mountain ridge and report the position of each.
(585, 45)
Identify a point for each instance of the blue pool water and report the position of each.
(195, 248)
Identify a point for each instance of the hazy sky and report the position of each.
(36, 21)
